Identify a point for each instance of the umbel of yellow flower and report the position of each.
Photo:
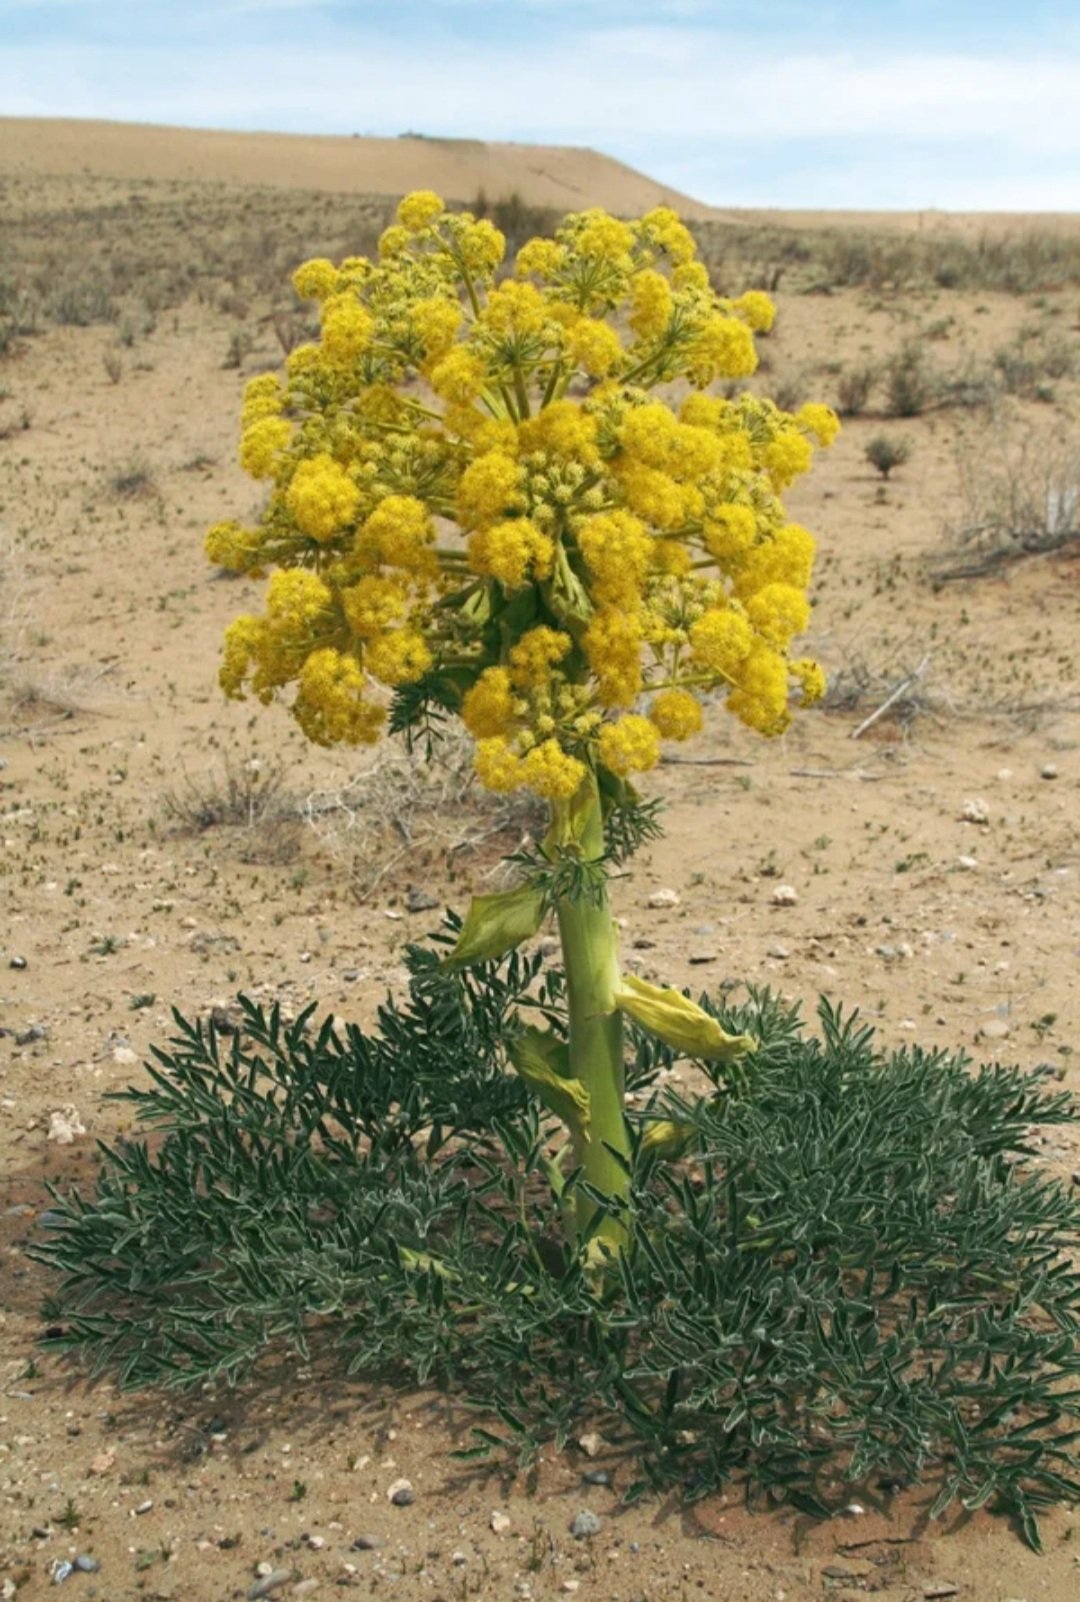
(512, 402)
(479, 500)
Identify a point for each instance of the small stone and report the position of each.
(779, 951)
(887, 952)
(994, 1029)
(855, 1510)
(699, 958)
(268, 1583)
(103, 1463)
(665, 898)
(584, 1524)
(17, 962)
(87, 1564)
(124, 1057)
(304, 1587)
(643, 943)
(941, 1588)
(570, 1586)
(500, 1521)
(30, 1037)
(1049, 770)
(590, 1444)
(968, 864)
(350, 975)
(401, 1493)
(974, 810)
(549, 946)
(785, 895)
(61, 1571)
(596, 1477)
(417, 900)
(144, 1507)
(64, 1126)
(366, 1543)
(458, 1559)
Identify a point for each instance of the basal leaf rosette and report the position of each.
(477, 501)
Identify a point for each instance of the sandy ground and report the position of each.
(940, 926)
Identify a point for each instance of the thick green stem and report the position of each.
(591, 962)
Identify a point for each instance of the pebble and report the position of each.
(584, 1524)
(779, 951)
(401, 1494)
(698, 958)
(366, 1543)
(855, 1510)
(62, 1571)
(1049, 770)
(942, 1588)
(29, 1037)
(64, 1126)
(417, 900)
(304, 1587)
(590, 1444)
(144, 1507)
(994, 1029)
(87, 1564)
(785, 895)
(269, 1582)
(975, 810)
(124, 1057)
(500, 1521)
(969, 864)
(17, 962)
(596, 1477)
(570, 1585)
(665, 898)
(458, 1559)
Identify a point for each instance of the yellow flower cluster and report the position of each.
(476, 499)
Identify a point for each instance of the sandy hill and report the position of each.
(565, 177)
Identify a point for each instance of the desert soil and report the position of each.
(933, 862)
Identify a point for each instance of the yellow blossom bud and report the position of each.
(321, 497)
(629, 745)
(677, 714)
(419, 209)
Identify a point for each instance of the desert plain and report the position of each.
(909, 847)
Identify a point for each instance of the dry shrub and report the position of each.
(247, 796)
(428, 811)
(854, 386)
(911, 385)
(1019, 495)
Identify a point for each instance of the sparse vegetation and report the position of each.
(887, 452)
(854, 386)
(1020, 497)
(911, 386)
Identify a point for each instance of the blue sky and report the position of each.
(964, 104)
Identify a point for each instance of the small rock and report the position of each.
(350, 975)
(225, 1020)
(304, 1587)
(269, 1582)
(855, 1510)
(779, 951)
(785, 895)
(417, 900)
(584, 1524)
(30, 1037)
(17, 962)
(994, 1029)
(590, 1444)
(124, 1057)
(366, 1543)
(65, 1125)
(62, 1570)
(596, 1477)
(974, 810)
(941, 1588)
(698, 958)
(103, 1463)
(87, 1564)
(643, 943)
(570, 1586)
(968, 864)
(1049, 770)
(550, 947)
(665, 898)
(500, 1521)
(401, 1493)
(144, 1507)
(458, 1559)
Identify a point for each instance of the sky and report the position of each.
(958, 104)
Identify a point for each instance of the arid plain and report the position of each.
(161, 847)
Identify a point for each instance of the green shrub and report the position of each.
(855, 1273)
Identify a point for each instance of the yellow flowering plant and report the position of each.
(506, 493)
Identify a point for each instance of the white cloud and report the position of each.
(934, 117)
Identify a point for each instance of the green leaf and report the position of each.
(543, 1062)
(497, 923)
